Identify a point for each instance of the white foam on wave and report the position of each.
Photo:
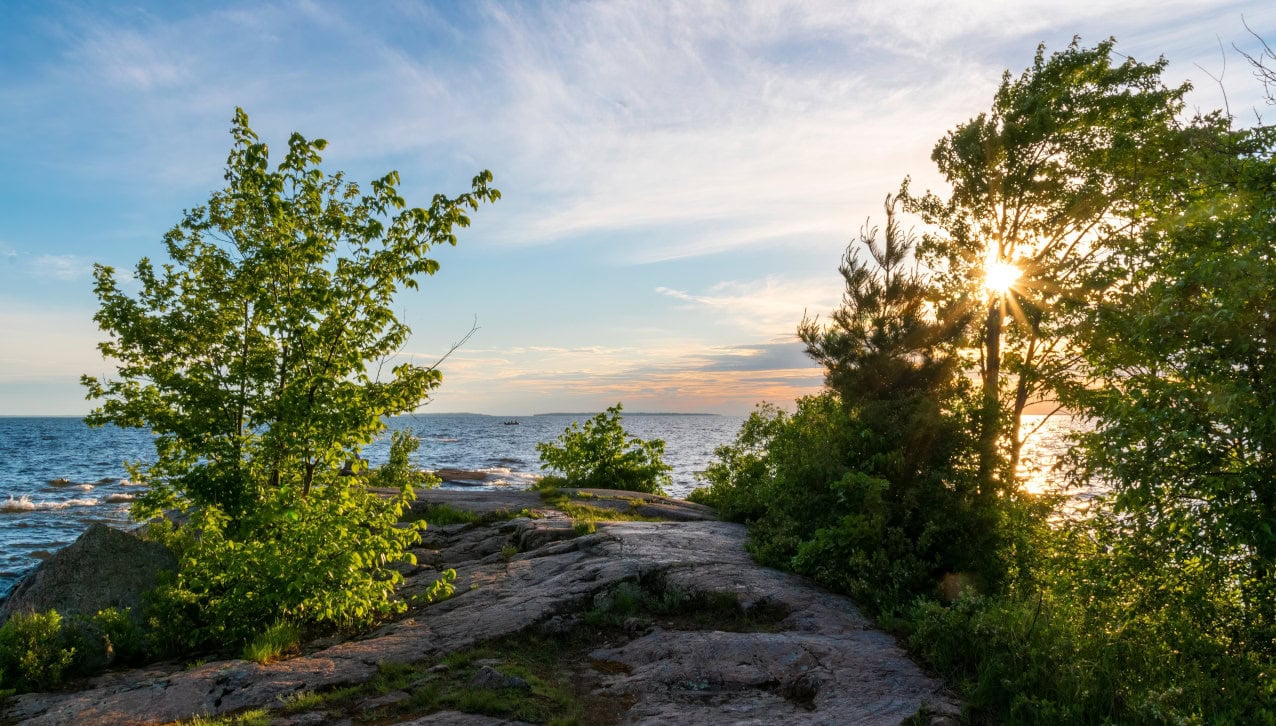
(499, 475)
(25, 504)
(118, 498)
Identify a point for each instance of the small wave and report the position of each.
(502, 476)
(60, 482)
(127, 483)
(445, 439)
(24, 504)
(64, 484)
(118, 498)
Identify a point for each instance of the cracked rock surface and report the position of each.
(825, 664)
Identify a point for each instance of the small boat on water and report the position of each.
(511, 422)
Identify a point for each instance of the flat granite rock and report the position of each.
(824, 663)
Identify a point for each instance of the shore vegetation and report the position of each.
(601, 454)
(261, 356)
(1101, 252)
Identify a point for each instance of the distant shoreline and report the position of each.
(561, 413)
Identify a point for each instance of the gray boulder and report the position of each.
(104, 568)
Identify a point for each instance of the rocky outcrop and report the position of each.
(822, 662)
(104, 568)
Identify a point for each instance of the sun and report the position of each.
(999, 277)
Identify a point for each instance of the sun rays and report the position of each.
(1000, 277)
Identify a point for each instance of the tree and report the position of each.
(882, 344)
(601, 454)
(869, 486)
(254, 356)
(1183, 387)
(250, 354)
(1066, 160)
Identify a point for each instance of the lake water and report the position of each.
(57, 475)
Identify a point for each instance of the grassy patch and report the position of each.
(440, 515)
(279, 640)
(673, 609)
(573, 505)
(302, 701)
(445, 514)
(254, 717)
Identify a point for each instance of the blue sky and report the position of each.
(679, 179)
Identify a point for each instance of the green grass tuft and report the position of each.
(277, 641)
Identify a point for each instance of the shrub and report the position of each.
(33, 651)
(830, 495)
(320, 561)
(601, 454)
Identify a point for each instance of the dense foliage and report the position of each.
(602, 454)
(39, 650)
(1145, 302)
(323, 562)
(256, 356)
(1068, 157)
(870, 487)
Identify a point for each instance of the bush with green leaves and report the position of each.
(821, 491)
(34, 653)
(601, 454)
(320, 561)
(40, 650)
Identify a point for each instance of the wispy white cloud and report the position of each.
(763, 306)
(61, 267)
(134, 59)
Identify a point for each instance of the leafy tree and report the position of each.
(601, 454)
(249, 354)
(254, 357)
(1184, 386)
(1066, 160)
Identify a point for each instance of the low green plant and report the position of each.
(275, 642)
(108, 638)
(34, 654)
(301, 701)
(317, 561)
(601, 454)
(124, 638)
(252, 717)
(442, 514)
(441, 589)
(392, 677)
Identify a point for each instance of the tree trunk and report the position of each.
(990, 418)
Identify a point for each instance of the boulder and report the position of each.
(104, 568)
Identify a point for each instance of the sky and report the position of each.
(679, 179)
